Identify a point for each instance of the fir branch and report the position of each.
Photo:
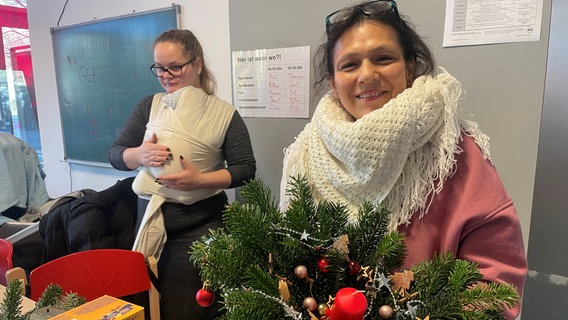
(286, 256)
(10, 308)
(251, 305)
(258, 193)
(481, 315)
(463, 275)
(490, 296)
(299, 214)
(251, 227)
(69, 301)
(365, 234)
(300, 192)
(259, 279)
(431, 276)
(452, 290)
(330, 221)
(221, 258)
(370, 234)
(390, 252)
(441, 306)
(50, 296)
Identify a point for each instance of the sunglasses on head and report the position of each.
(368, 8)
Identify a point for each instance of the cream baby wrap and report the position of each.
(192, 124)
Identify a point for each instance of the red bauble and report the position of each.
(354, 267)
(205, 298)
(323, 265)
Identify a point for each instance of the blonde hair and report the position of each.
(192, 49)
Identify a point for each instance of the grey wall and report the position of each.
(546, 290)
(504, 83)
(277, 24)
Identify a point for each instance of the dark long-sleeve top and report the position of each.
(236, 148)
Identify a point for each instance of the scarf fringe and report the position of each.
(293, 165)
(429, 167)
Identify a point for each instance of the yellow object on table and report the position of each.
(104, 308)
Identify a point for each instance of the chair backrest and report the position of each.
(93, 273)
(6, 251)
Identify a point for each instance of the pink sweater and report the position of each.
(473, 217)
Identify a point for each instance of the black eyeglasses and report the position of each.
(368, 9)
(174, 71)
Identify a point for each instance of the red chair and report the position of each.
(94, 273)
(6, 250)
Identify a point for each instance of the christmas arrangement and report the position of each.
(310, 263)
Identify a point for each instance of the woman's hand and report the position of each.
(149, 154)
(190, 178)
(153, 154)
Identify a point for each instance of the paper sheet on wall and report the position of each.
(476, 22)
(272, 82)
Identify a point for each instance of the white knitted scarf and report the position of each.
(397, 155)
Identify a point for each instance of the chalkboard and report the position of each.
(102, 72)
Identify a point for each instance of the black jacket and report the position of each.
(104, 219)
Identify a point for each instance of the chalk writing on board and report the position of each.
(272, 82)
(102, 73)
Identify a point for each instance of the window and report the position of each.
(18, 111)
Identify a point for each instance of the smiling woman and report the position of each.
(389, 133)
(370, 68)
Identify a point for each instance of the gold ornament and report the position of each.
(385, 312)
(367, 274)
(321, 309)
(405, 296)
(283, 289)
(402, 279)
(342, 246)
(310, 303)
(312, 316)
(301, 272)
(204, 260)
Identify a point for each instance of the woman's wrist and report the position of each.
(130, 157)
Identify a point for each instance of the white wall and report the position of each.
(209, 20)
